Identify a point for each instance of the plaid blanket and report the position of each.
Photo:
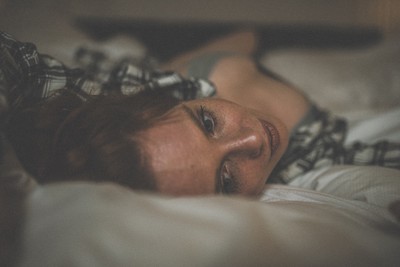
(27, 76)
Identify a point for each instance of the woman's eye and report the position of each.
(228, 185)
(207, 119)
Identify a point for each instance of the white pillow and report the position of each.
(355, 83)
(77, 224)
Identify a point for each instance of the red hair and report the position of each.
(67, 139)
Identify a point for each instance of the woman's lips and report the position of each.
(273, 134)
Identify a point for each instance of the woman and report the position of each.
(236, 146)
(228, 144)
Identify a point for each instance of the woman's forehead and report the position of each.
(175, 115)
(175, 136)
(179, 155)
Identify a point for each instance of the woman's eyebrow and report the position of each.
(194, 118)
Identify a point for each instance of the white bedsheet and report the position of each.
(381, 126)
(376, 186)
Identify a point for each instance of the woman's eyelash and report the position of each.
(228, 183)
(208, 119)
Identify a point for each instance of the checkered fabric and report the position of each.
(28, 76)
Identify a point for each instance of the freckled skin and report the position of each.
(186, 161)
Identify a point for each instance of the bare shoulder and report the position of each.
(238, 79)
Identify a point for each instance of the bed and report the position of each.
(320, 219)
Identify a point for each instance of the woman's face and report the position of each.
(213, 146)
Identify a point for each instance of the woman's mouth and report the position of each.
(273, 134)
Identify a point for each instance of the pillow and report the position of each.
(15, 184)
(79, 224)
(355, 83)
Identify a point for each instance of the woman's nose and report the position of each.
(246, 142)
